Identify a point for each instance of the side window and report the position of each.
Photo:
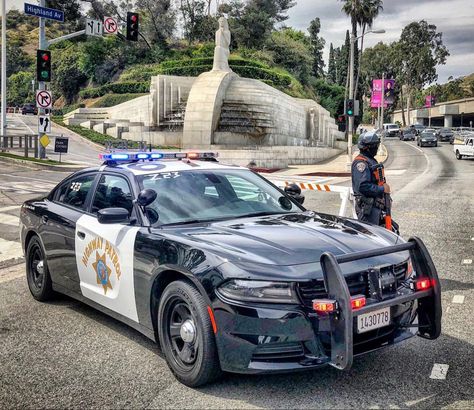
(112, 192)
(74, 192)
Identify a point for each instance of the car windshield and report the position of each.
(209, 195)
(392, 126)
(445, 130)
(427, 134)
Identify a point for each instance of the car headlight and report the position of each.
(259, 291)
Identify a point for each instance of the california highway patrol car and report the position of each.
(226, 271)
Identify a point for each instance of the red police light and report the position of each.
(358, 301)
(423, 284)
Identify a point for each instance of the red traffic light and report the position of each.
(45, 56)
(134, 18)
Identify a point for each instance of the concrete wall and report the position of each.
(136, 110)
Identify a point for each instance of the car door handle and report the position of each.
(81, 235)
(44, 218)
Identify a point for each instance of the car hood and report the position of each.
(288, 240)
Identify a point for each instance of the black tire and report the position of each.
(194, 363)
(436, 144)
(458, 155)
(37, 274)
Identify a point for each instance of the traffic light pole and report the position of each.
(350, 131)
(43, 45)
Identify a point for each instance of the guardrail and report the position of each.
(24, 143)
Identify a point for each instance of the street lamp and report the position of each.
(351, 91)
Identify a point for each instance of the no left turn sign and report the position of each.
(44, 99)
(110, 25)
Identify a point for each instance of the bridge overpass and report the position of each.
(456, 113)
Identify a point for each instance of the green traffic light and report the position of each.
(44, 74)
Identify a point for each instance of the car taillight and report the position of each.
(422, 284)
(358, 301)
(324, 305)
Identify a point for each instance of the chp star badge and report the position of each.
(102, 271)
(361, 166)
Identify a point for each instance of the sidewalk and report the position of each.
(336, 166)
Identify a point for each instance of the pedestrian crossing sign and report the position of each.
(44, 141)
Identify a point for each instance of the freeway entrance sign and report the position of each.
(38, 11)
(44, 99)
(94, 27)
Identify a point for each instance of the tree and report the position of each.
(158, 21)
(342, 62)
(19, 88)
(332, 72)
(420, 50)
(292, 50)
(198, 24)
(71, 9)
(317, 46)
(253, 22)
(17, 59)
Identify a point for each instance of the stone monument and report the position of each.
(221, 51)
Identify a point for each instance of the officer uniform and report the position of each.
(369, 195)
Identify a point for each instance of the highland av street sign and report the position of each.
(38, 11)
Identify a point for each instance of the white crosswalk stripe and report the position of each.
(9, 250)
(27, 187)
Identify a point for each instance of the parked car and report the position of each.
(391, 130)
(407, 134)
(29, 109)
(444, 134)
(427, 138)
(418, 128)
(466, 149)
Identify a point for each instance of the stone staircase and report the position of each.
(82, 115)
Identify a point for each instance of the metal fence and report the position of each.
(27, 144)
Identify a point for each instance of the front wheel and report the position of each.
(186, 335)
(37, 274)
(458, 155)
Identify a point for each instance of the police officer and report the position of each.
(369, 195)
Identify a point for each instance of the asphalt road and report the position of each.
(65, 354)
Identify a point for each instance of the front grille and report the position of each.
(279, 352)
(357, 283)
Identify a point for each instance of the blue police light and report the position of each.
(151, 156)
(156, 155)
(143, 156)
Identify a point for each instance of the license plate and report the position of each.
(373, 320)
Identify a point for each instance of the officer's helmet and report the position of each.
(368, 139)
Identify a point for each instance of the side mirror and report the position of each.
(146, 197)
(113, 216)
(294, 191)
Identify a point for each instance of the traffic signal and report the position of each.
(43, 65)
(132, 26)
(350, 108)
(433, 101)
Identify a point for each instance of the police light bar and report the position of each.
(154, 155)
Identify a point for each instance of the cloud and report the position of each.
(453, 18)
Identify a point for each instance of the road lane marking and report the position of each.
(10, 250)
(25, 124)
(9, 208)
(458, 299)
(466, 262)
(439, 371)
(7, 219)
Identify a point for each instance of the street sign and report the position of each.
(61, 145)
(110, 25)
(44, 140)
(44, 124)
(44, 99)
(44, 12)
(94, 27)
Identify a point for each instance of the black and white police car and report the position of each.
(225, 270)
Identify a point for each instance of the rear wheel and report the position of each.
(186, 335)
(37, 274)
(458, 155)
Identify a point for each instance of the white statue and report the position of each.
(311, 124)
(221, 51)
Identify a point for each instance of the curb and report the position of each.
(38, 165)
(8, 263)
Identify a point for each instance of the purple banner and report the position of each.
(388, 91)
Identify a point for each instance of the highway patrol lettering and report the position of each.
(103, 251)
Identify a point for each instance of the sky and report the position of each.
(454, 18)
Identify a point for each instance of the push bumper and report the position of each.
(341, 324)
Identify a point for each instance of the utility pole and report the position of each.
(4, 69)
(43, 45)
(351, 96)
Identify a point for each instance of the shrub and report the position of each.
(116, 88)
(109, 100)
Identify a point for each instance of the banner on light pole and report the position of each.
(388, 93)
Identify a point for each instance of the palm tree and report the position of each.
(363, 14)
